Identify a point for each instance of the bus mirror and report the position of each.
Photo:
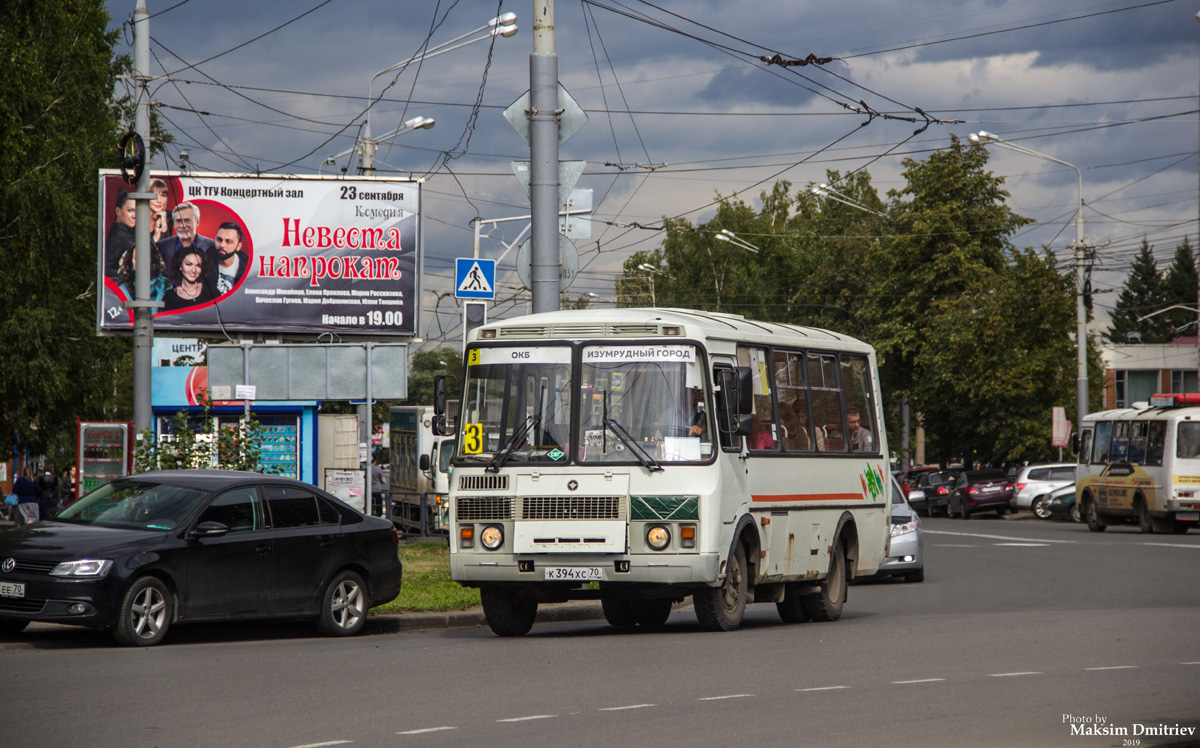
(1075, 443)
(745, 402)
(745, 425)
(439, 404)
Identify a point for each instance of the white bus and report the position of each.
(641, 456)
(1141, 465)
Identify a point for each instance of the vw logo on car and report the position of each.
(8, 565)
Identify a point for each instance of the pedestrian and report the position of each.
(66, 486)
(27, 498)
(49, 487)
(378, 488)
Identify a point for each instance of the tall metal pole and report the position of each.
(143, 321)
(543, 158)
(1195, 251)
(1081, 341)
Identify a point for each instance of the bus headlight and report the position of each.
(658, 537)
(492, 537)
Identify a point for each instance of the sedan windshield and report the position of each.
(134, 504)
(516, 405)
(644, 403)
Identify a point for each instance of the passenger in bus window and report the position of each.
(861, 440)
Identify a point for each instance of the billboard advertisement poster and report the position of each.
(283, 255)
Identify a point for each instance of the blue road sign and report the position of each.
(474, 278)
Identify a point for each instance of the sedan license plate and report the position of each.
(574, 573)
(12, 589)
(991, 489)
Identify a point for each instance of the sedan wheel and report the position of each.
(1075, 513)
(344, 606)
(145, 613)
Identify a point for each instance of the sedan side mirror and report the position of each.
(208, 530)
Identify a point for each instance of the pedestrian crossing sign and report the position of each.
(474, 278)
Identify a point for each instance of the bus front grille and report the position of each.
(572, 507)
(483, 508)
(483, 483)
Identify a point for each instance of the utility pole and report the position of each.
(543, 159)
(143, 308)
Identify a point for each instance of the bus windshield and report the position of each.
(516, 405)
(643, 403)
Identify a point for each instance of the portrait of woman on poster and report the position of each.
(159, 282)
(120, 232)
(190, 270)
(161, 220)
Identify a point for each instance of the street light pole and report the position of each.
(543, 160)
(1081, 383)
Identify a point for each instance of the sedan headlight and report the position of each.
(86, 567)
(906, 527)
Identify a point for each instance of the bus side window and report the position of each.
(1100, 442)
(1120, 442)
(826, 401)
(1137, 442)
(1155, 438)
(763, 437)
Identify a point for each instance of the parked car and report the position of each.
(1058, 504)
(906, 552)
(981, 491)
(933, 489)
(148, 551)
(1035, 480)
(908, 478)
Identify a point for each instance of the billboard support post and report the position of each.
(143, 320)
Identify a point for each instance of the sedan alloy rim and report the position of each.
(149, 611)
(347, 606)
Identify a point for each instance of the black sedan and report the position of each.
(147, 551)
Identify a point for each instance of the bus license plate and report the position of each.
(574, 573)
(12, 589)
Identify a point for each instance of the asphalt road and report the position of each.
(1021, 629)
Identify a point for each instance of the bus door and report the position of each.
(1117, 490)
(731, 457)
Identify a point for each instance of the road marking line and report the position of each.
(922, 680)
(956, 545)
(730, 696)
(1189, 663)
(1011, 675)
(322, 745)
(994, 537)
(1024, 545)
(529, 718)
(1172, 545)
(425, 730)
(623, 708)
(1113, 667)
(821, 688)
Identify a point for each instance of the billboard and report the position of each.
(283, 255)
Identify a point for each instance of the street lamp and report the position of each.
(598, 297)
(1081, 383)
(504, 25)
(726, 235)
(825, 191)
(652, 270)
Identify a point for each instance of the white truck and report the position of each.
(420, 463)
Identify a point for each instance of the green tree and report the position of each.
(1180, 287)
(59, 124)
(424, 367)
(1142, 294)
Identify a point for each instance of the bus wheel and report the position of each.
(826, 604)
(1145, 523)
(651, 613)
(791, 608)
(618, 612)
(507, 613)
(1092, 517)
(721, 608)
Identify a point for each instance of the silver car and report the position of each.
(906, 553)
(1035, 480)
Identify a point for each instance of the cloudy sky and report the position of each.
(1107, 85)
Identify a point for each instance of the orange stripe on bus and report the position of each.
(778, 498)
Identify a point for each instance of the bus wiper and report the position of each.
(510, 446)
(643, 458)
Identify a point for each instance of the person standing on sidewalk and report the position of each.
(27, 498)
(49, 486)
